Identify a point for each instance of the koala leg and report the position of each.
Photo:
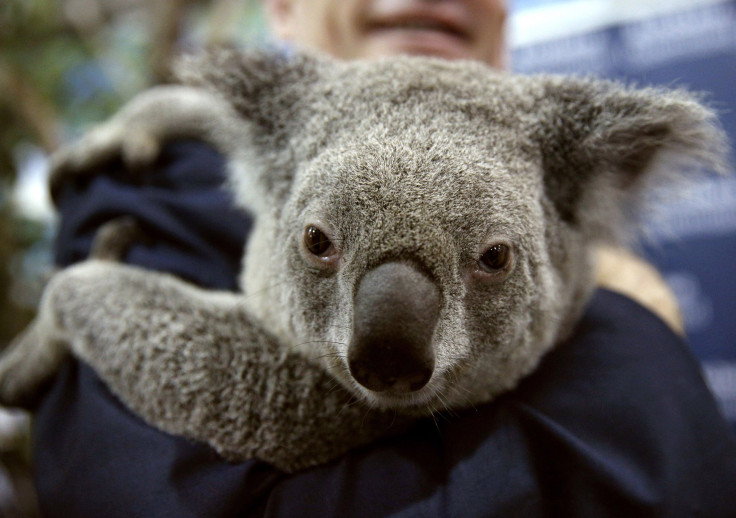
(194, 363)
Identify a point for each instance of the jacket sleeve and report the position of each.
(196, 232)
(617, 421)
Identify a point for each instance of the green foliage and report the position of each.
(67, 64)
(17, 234)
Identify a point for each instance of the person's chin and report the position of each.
(418, 43)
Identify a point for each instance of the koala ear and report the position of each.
(264, 86)
(601, 140)
(266, 91)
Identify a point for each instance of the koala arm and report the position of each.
(192, 362)
(137, 132)
(619, 270)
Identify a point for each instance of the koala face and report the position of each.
(413, 289)
(415, 268)
(423, 227)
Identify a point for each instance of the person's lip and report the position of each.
(441, 18)
(419, 24)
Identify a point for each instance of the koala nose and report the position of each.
(396, 308)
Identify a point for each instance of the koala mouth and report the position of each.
(427, 400)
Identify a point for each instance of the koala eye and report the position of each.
(317, 242)
(496, 258)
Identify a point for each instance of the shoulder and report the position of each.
(181, 202)
(613, 410)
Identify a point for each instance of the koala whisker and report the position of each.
(262, 291)
(433, 415)
(328, 355)
(317, 342)
(366, 414)
(336, 386)
(353, 402)
(339, 384)
(445, 403)
(460, 388)
(394, 414)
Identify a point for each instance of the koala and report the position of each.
(422, 237)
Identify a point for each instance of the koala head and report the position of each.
(423, 227)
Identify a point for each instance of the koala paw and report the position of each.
(135, 146)
(114, 238)
(137, 132)
(29, 364)
(31, 360)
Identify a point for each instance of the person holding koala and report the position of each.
(593, 432)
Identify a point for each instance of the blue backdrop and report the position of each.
(692, 236)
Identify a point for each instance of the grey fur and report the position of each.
(415, 161)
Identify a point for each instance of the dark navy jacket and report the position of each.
(616, 422)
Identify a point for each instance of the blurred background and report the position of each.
(67, 64)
